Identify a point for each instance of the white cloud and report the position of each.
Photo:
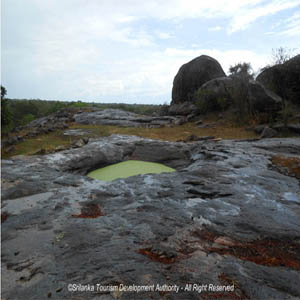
(292, 26)
(163, 35)
(216, 28)
(242, 13)
(248, 15)
(151, 75)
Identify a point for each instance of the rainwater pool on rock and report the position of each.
(128, 168)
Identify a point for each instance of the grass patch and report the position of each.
(175, 133)
(46, 141)
(54, 139)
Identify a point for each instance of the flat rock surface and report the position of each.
(122, 118)
(227, 217)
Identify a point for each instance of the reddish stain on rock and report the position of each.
(4, 216)
(90, 211)
(158, 257)
(268, 251)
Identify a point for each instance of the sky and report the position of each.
(129, 51)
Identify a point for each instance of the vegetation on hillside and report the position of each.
(19, 112)
(5, 111)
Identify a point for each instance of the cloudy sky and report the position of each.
(130, 50)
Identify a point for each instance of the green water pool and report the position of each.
(128, 168)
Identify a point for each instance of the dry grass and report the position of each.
(54, 139)
(174, 133)
(46, 141)
(292, 164)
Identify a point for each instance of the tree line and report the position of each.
(19, 112)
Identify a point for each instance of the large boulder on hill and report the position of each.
(262, 99)
(283, 79)
(192, 75)
(219, 93)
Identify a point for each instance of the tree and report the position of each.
(3, 92)
(243, 70)
(5, 113)
(242, 73)
(280, 55)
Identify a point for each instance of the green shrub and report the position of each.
(287, 113)
(240, 101)
(164, 110)
(79, 104)
(5, 111)
(27, 119)
(208, 101)
(223, 103)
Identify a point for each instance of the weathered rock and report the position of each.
(192, 76)
(283, 79)
(259, 128)
(226, 209)
(268, 133)
(185, 108)
(44, 125)
(76, 132)
(9, 149)
(262, 99)
(180, 121)
(61, 119)
(41, 151)
(294, 128)
(60, 148)
(219, 92)
(79, 143)
(122, 118)
(193, 117)
(194, 138)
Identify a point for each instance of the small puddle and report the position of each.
(128, 168)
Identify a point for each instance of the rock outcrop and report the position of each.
(122, 118)
(226, 88)
(192, 75)
(55, 121)
(62, 119)
(283, 79)
(229, 215)
(183, 109)
(268, 133)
